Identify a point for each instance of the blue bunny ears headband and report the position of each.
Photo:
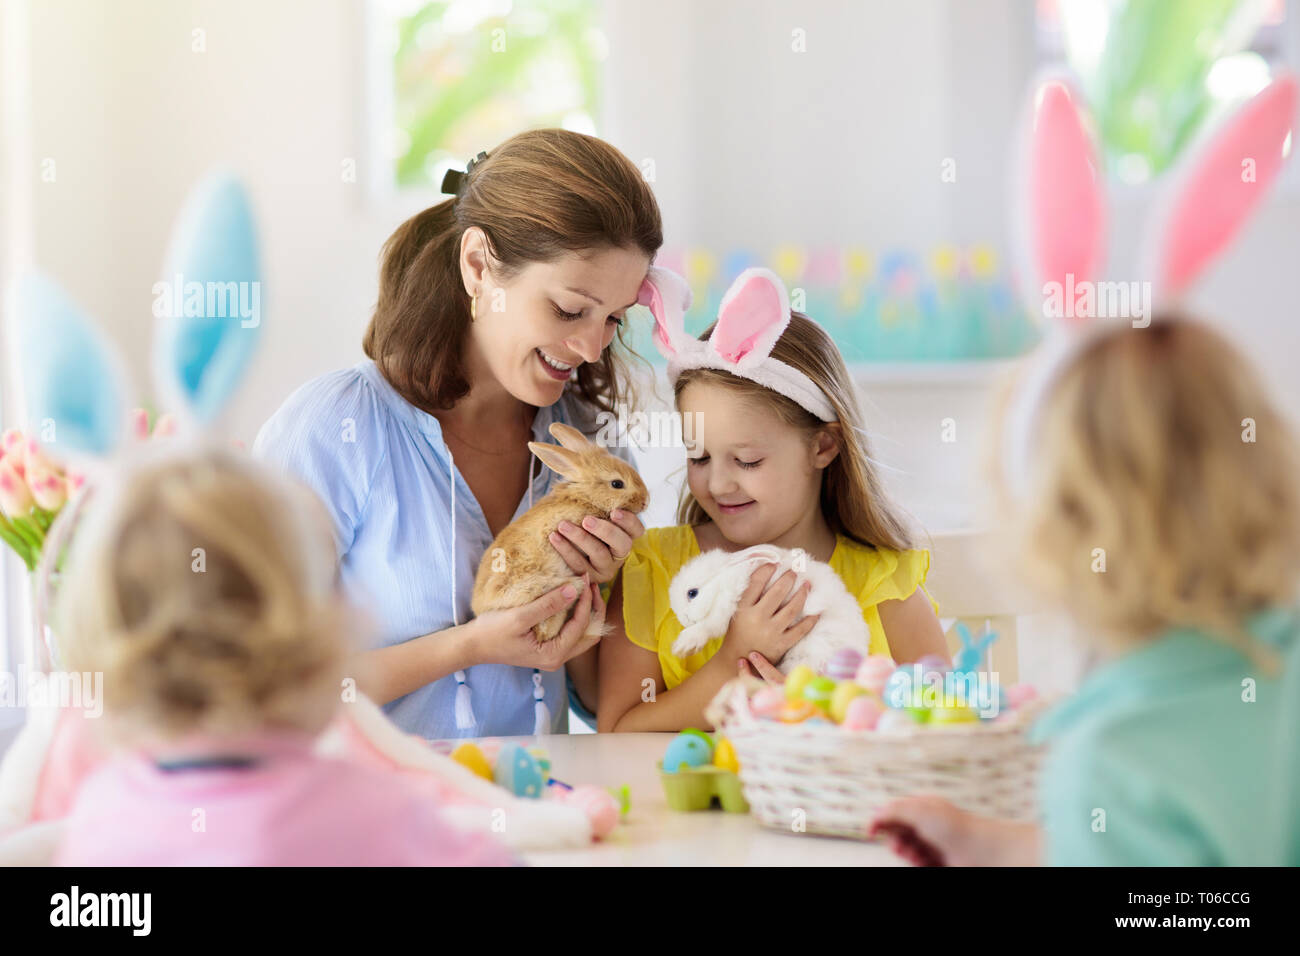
(207, 309)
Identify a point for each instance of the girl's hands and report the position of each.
(930, 831)
(756, 665)
(599, 547)
(506, 637)
(765, 620)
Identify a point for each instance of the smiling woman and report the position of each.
(499, 313)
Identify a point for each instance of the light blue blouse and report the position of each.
(384, 472)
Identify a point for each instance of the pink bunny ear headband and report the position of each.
(1060, 217)
(752, 316)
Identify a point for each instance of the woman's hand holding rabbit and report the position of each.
(599, 547)
(767, 621)
(506, 637)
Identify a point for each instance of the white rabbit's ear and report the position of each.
(753, 314)
(73, 380)
(1059, 207)
(208, 306)
(1217, 186)
(758, 554)
(667, 295)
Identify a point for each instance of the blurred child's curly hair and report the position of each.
(1161, 447)
(204, 589)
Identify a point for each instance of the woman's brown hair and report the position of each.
(537, 196)
(852, 499)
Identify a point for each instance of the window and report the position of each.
(453, 77)
(1155, 71)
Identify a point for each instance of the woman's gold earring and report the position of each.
(473, 309)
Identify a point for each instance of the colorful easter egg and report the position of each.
(934, 664)
(818, 692)
(862, 713)
(953, 715)
(470, 756)
(724, 756)
(767, 702)
(843, 664)
(873, 672)
(844, 695)
(518, 772)
(899, 690)
(796, 680)
(796, 711)
(894, 722)
(600, 806)
(1017, 695)
(690, 747)
(919, 714)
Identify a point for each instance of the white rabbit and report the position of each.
(705, 592)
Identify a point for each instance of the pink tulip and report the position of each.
(75, 480)
(49, 490)
(10, 438)
(15, 497)
(166, 425)
(35, 460)
(140, 423)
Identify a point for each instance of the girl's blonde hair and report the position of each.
(852, 498)
(203, 589)
(1163, 488)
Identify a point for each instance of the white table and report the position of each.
(653, 835)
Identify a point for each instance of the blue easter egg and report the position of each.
(898, 688)
(518, 772)
(691, 749)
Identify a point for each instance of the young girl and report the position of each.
(775, 455)
(1159, 447)
(204, 590)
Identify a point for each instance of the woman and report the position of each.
(496, 316)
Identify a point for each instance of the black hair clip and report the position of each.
(453, 181)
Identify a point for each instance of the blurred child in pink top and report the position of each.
(204, 590)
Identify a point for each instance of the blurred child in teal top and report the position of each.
(1164, 515)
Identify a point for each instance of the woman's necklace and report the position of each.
(514, 447)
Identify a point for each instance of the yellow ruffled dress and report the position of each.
(872, 575)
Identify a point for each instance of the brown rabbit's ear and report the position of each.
(569, 437)
(562, 461)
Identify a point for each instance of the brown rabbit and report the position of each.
(522, 565)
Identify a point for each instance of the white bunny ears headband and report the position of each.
(753, 314)
(207, 309)
(1060, 221)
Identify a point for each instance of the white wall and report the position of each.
(753, 144)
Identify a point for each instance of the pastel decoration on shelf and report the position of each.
(704, 785)
(1020, 694)
(970, 657)
(518, 772)
(690, 748)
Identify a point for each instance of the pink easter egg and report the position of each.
(873, 672)
(843, 664)
(599, 805)
(863, 714)
(1020, 694)
(767, 702)
(934, 664)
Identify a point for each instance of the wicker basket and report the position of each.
(828, 780)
